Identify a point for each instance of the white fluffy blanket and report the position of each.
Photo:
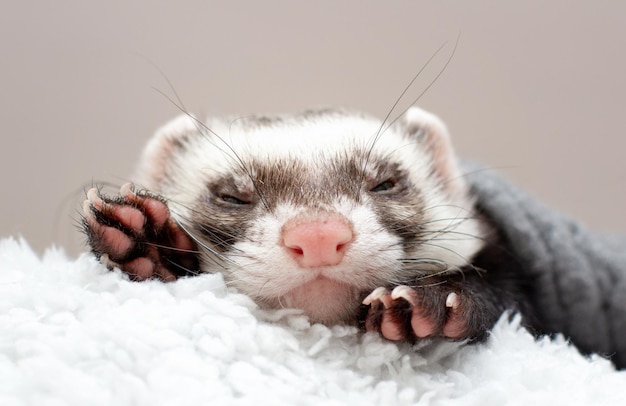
(73, 333)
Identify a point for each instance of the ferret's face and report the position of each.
(315, 211)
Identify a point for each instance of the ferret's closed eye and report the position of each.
(233, 200)
(386, 186)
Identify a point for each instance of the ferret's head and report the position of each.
(315, 210)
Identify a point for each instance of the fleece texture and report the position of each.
(73, 333)
(578, 277)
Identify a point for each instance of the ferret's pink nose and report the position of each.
(317, 243)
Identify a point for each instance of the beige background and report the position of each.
(536, 88)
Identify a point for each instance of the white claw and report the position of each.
(376, 294)
(452, 300)
(94, 198)
(92, 194)
(127, 190)
(405, 292)
(104, 260)
(87, 209)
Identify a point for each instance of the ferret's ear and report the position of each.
(158, 155)
(432, 134)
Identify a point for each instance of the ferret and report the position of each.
(350, 219)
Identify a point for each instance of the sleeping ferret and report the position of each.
(348, 218)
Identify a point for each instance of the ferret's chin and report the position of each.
(325, 301)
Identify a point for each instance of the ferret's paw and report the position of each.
(409, 314)
(135, 232)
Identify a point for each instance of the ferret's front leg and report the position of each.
(464, 309)
(135, 233)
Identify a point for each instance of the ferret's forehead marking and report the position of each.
(306, 185)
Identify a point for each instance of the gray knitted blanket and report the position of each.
(579, 277)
